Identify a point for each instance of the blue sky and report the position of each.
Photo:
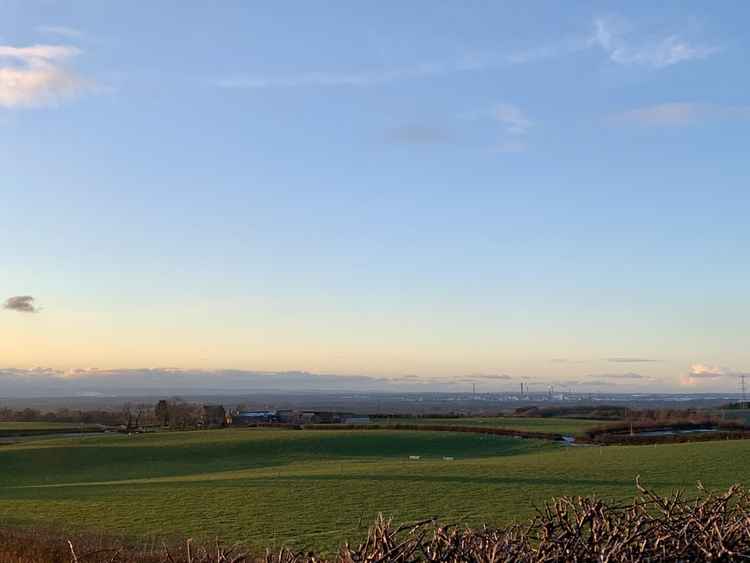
(391, 188)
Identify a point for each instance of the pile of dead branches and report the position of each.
(712, 527)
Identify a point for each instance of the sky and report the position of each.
(526, 191)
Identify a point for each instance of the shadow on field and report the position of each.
(147, 457)
(244, 482)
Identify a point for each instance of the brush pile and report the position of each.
(713, 527)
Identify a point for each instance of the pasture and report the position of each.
(10, 431)
(39, 426)
(316, 488)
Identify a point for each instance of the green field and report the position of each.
(12, 430)
(315, 488)
(40, 426)
(572, 426)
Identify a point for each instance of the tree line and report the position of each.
(172, 413)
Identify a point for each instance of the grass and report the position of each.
(40, 426)
(13, 430)
(568, 426)
(312, 489)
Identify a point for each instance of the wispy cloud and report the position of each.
(566, 361)
(662, 114)
(630, 360)
(512, 118)
(60, 31)
(373, 76)
(513, 122)
(515, 127)
(611, 35)
(38, 54)
(21, 304)
(363, 77)
(618, 41)
(37, 75)
(680, 114)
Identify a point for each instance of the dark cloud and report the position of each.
(45, 382)
(417, 135)
(599, 383)
(412, 379)
(485, 377)
(21, 304)
(628, 360)
(499, 376)
(618, 376)
(678, 114)
(586, 383)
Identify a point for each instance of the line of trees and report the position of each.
(172, 413)
(95, 416)
(614, 412)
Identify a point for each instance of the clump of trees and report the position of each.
(179, 414)
(174, 413)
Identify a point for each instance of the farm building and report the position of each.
(287, 416)
(245, 418)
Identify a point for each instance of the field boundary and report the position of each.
(509, 432)
(601, 440)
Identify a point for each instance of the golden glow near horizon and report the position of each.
(337, 342)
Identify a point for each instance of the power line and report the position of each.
(742, 386)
